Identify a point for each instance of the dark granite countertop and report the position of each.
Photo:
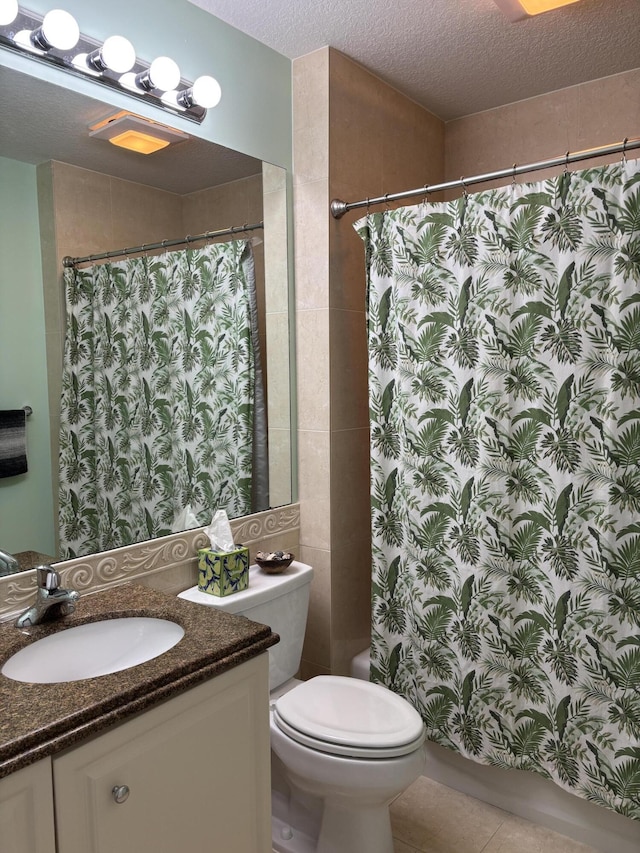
(30, 559)
(37, 720)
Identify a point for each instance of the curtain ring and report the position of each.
(367, 205)
(386, 201)
(425, 200)
(624, 150)
(566, 162)
(464, 186)
(513, 179)
(164, 244)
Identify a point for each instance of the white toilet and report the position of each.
(342, 749)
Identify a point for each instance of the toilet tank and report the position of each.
(279, 601)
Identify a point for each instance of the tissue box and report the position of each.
(223, 572)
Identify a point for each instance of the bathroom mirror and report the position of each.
(78, 180)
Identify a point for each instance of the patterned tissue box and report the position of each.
(223, 572)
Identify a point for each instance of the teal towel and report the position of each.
(13, 442)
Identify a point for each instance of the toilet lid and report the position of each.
(346, 716)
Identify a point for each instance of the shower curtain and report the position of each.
(157, 407)
(504, 382)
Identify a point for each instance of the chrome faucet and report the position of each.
(52, 601)
(8, 564)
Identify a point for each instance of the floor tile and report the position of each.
(433, 818)
(401, 847)
(520, 836)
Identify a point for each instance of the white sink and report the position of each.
(96, 648)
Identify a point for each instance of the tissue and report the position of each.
(224, 567)
(184, 520)
(219, 532)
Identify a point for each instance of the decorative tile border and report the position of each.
(134, 562)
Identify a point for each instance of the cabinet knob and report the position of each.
(120, 793)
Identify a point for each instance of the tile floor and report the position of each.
(430, 818)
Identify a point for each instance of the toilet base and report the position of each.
(287, 839)
(368, 829)
(295, 816)
(364, 829)
(305, 823)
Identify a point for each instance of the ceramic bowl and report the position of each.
(274, 562)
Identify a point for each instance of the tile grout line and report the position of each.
(493, 836)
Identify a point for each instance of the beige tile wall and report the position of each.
(353, 136)
(573, 119)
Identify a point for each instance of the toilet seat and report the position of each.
(345, 716)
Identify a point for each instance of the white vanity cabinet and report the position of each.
(190, 774)
(26, 810)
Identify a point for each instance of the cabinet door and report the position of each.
(26, 810)
(197, 773)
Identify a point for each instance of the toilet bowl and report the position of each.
(353, 747)
(342, 749)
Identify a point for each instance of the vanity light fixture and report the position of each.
(116, 54)
(163, 74)
(517, 10)
(136, 133)
(58, 30)
(56, 39)
(205, 92)
(8, 12)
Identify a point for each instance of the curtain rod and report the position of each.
(339, 207)
(68, 261)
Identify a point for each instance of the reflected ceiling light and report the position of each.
(516, 10)
(136, 133)
(8, 11)
(116, 54)
(56, 39)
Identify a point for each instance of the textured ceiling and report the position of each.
(455, 57)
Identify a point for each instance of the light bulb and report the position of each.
(8, 11)
(205, 92)
(116, 54)
(163, 74)
(58, 29)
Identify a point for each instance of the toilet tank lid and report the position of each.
(262, 587)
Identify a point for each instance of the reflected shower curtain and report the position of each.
(504, 345)
(158, 395)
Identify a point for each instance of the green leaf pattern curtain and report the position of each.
(157, 396)
(504, 346)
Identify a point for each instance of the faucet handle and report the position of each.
(47, 578)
